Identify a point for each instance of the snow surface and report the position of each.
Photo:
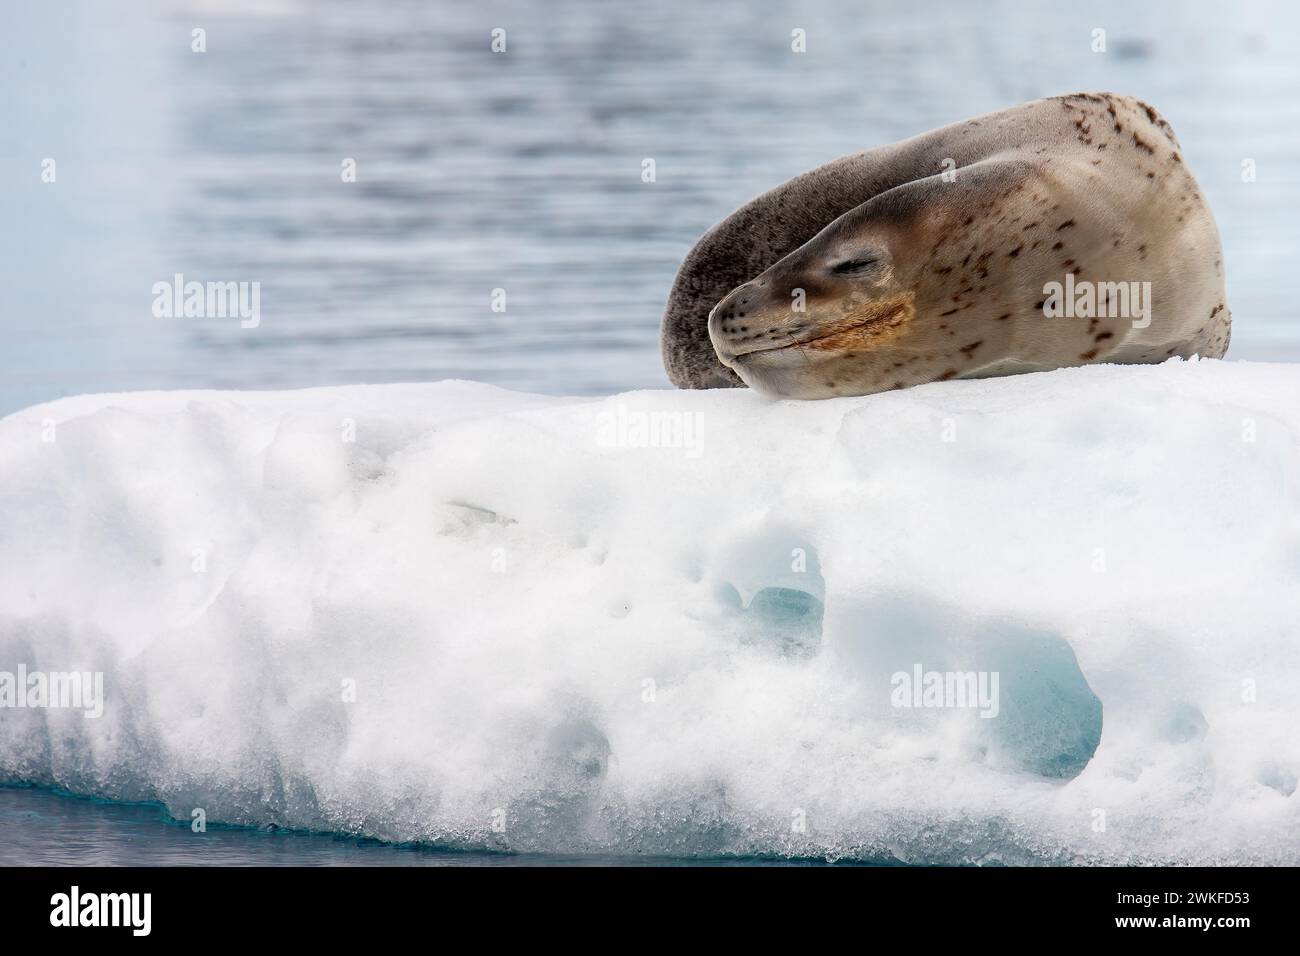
(561, 640)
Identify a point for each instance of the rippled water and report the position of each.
(522, 171)
(42, 828)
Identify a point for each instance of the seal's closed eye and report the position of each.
(856, 264)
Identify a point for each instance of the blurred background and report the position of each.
(522, 171)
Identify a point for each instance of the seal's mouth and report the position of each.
(864, 327)
(793, 343)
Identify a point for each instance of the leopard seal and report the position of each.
(940, 257)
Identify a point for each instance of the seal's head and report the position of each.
(916, 285)
(837, 316)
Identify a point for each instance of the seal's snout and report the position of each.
(748, 319)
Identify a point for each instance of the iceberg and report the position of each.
(1050, 618)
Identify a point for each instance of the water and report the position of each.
(522, 171)
(42, 828)
(38, 827)
(519, 172)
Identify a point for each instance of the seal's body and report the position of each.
(1062, 232)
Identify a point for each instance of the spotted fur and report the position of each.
(908, 277)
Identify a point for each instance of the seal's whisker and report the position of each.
(799, 345)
